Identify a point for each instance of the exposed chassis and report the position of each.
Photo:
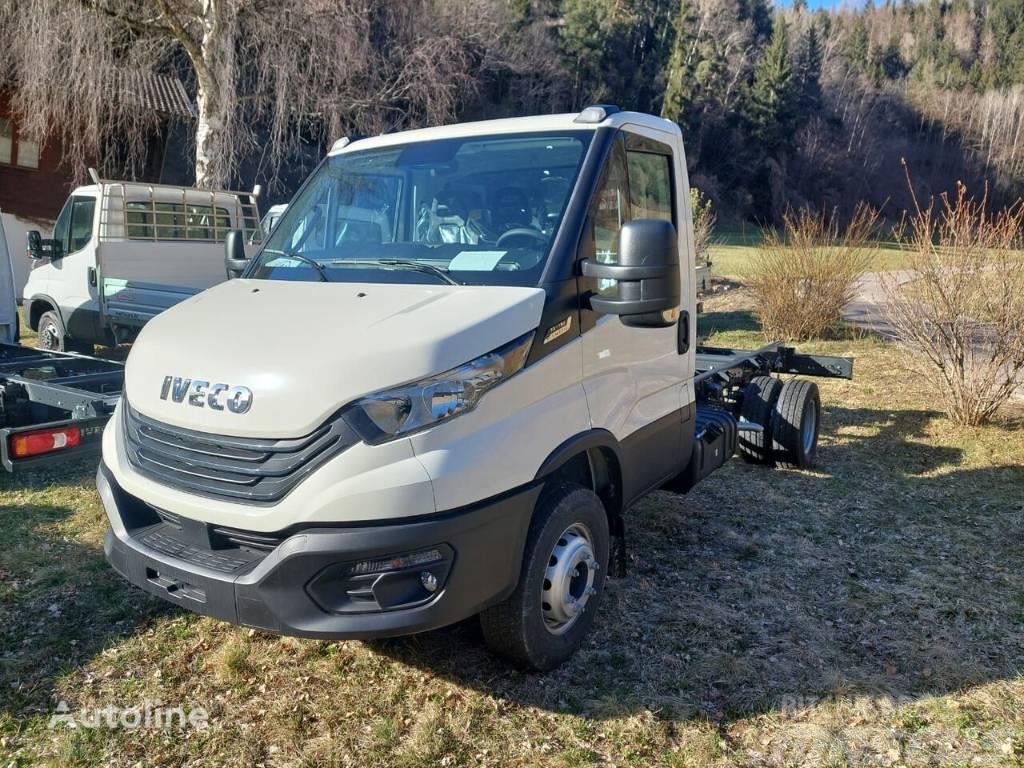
(42, 390)
(722, 373)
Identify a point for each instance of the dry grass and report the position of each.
(963, 312)
(803, 277)
(868, 613)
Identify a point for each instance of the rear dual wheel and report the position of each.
(795, 425)
(565, 561)
(790, 416)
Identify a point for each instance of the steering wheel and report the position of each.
(536, 234)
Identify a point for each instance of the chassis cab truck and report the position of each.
(124, 251)
(459, 357)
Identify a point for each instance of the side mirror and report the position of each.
(647, 273)
(235, 261)
(38, 248)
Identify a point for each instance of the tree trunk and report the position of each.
(207, 125)
(213, 53)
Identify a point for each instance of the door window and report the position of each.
(81, 223)
(609, 210)
(650, 185)
(63, 225)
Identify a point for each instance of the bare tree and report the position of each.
(262, 70)
(962, 313)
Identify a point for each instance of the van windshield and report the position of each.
(479, 210)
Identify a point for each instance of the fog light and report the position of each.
(385, 564)
(383, 583)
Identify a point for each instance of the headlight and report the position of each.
(397, 412)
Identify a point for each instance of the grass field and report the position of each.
(733, 250)
(870, 612)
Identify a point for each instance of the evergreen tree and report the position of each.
(681, 83)
(770, 108)
(807, 72)
(760, 16)
(857, 44)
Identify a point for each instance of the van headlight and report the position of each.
(411, 407)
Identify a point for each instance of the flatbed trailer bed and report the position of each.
(53, 405)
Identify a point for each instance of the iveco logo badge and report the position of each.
(204, 394)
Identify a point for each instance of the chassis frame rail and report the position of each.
(83, 390)
(724, 363)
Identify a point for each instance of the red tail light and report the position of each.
(44, 441)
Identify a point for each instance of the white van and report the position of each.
(123, 252)
(461, 355)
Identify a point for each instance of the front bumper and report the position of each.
(206, 570)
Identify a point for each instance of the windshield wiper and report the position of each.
(305, 260)
(419, 266)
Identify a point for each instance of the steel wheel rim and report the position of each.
(49, 336)
(569, 579)
(809, 428)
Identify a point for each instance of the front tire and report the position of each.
(565, 561)
(52, 338)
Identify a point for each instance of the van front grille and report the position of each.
(256, 470)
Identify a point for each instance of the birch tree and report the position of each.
(263, 72)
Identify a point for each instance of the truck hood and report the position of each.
(306, 349)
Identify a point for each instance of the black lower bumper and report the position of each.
(308, 583)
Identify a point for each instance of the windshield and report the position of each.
(479, 210)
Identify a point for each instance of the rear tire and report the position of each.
(565, 561)
(52, 337)
(759, 398)
(795, 425)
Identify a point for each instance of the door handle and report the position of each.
(683, 336)
(92, 276)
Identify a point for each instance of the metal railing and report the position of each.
(166, 213)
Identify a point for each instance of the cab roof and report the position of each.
(570, 121)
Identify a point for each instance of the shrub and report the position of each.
(703, 223)
(960, 311)
(803, 277)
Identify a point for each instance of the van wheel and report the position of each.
(564, 565)
(759, 398)
(795, 425)
(52, 338)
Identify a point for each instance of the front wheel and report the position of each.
(564, 565)
(52, 338)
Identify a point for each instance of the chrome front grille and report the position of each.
(256, 470)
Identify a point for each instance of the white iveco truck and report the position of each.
(459, 357)
(122, 252)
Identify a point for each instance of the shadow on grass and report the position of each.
(60, 603)
(890, 573)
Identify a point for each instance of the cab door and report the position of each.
(636, 378)
(72, 279)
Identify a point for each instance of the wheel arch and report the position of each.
(592, 459)
(38, 305)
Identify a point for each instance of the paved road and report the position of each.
(867, 309)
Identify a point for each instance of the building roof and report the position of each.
(163, 94)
